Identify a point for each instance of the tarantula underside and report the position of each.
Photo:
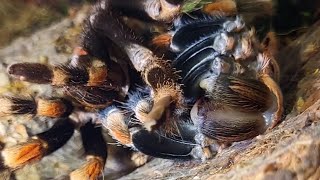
(208, 82)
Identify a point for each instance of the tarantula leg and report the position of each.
(96, 153)
(53, 108)
(161, 78)
(157, 73)
(153, 144)
(159, 10)
(149, 143)
(275, 89)
(116, 122)
(61, 75)
(31, 72)
(38, 146)
(268, 66)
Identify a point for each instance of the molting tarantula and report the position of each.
(204, 82)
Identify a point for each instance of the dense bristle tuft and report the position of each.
(69, 75)
(54, 108)
(16, 105)
(162, 41)
(115, 122)
(25, 153)
(97, 73)
(89, 171)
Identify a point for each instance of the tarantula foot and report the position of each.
(139, 158)
(94, 75)
(25, 153)
(91, 170)
(203, 153)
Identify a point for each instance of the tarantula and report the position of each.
(208, 82)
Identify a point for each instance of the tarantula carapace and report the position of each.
(204, 82)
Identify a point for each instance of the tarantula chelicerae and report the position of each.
(208, 82)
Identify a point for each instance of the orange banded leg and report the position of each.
(38, 146)
(94, 75)
(53, 108)
(96, 153)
